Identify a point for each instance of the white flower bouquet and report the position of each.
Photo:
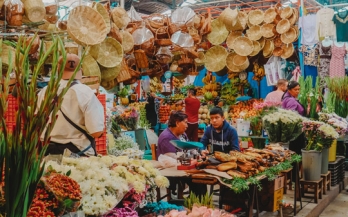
(125, 146)
(340, 124)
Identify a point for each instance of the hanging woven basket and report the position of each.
(270, 15)
(241, 62)
(109, 53)
(104, 13)
(288, 50)
(257, 48)
(256, 17)
(218, 32)
(254, 33)
(231, 37)
(283, 26)
(34, 10)
(120, 17)
(90, 67)
(215, 58)
(229, 63)
(243, 46)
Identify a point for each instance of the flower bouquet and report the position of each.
(340, 124)
(128, 120)
(125, 146)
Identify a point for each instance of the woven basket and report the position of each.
(262, 42)
(104, 13)
(200, 60)
(115, 33)
(127, 42)
(267, 30)
(109, 53)
(229, 17)
(293, 19)
(243, 46)
(185, 62)
(1, 3)
(286, 12)
(6, 50)
(268, 49)
(156, 20)
(148, 47)
(108, 85)
(120, 17)
(90, 67)
(197, 38)
(163, 41)
(91, 81)
(288, 50)
(218, 32)
(231, 37)
(141, 59)
(34, 10)
(270, 15)
(71, 47)
(278, 42)
(254, 33)
(215, 58)
(283, 26)
(155, 69)
(241, 62)
(278, 51)
(289, 36)
(124, 74)
(86, 26)
(256, 17)
(52, 19)
(229, 63)
(257, 48)
(108, 74)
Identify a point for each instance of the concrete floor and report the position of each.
(338, 207)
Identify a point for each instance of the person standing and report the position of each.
(192, 105)
(276, 96)
(151, 108)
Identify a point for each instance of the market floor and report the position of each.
(338, 207)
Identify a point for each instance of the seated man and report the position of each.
(220, 134)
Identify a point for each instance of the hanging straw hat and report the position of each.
(286, 12)
(254, 33)
(127, 41)
(105, 14)
(241, 22)
(243, 46)
(120, 17)
(86, 26)
(90, 66)
(241, 62)
(230, 38)
(288, 50)
(283, 26)
(268, 49)
(218, 32)
(267, 30)
(277, 41)
(262, 42)
(256, 17)
(109, 53)
(278, 51)
(229, 63)
(257, 48)
(270, 15)
(110, 73)
(215, 58)
(229, 17)
(289, 36)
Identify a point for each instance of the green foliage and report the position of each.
(205, 200)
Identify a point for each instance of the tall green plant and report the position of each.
(310, 96)
(21, 149)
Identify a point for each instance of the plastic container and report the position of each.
(332, 151)
(311, 161)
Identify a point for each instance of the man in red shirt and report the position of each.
(192, 105)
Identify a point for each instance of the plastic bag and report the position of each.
(142, 35)
(183, 16)
(182, 39)
(167, 161)
(134, 16)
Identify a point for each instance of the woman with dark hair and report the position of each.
(289, 99)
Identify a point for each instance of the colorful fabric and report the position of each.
(324, 64)
(337, 61)
(310, 53)
(311, 71)
(324, 25)
(341, 21)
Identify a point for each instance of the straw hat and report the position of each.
(215, 58)
(286, 12)
(231, 37)
(90, 66)
(262, 42)
(288, 50)
(289, 36)
(256, 17)
(120, 17)
(267, 30)
(277, 41)
(243, 46)
(229, 17)
(270, 15)
(257, 48)
(105, 14)
(110, 73)
(127, 41)
(254, 33)
(278, 51)
(218, 32)
(229, 63)
(109, 53)
(268, 49)
(283, 26)
(241, 62)
(293, 19)
(86, 26)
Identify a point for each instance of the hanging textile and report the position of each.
(337, 68)
(341, 21)
(324, 64)
(311, 71)
(310, 53)
(324, 25)
(308, 25)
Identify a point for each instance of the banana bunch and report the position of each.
(178, 83)
(259, 72)
(137, 105)
(209, 79)
(155, 85)
(232, 75)
(199, 91)
(210, 86)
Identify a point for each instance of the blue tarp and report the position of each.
(198, 80)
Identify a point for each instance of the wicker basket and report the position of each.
(256, 17)
(278, 42)
(286, 12)
(115, 33)
(268, 49)
(108, 74)
(108, 85)
(243, 46)
(141, 59)
(200, 60)
(231, 37)
(148, 47)
(229, 63)
(288, 50)
(254, 33)
(163, 41)
(267, 30)
(278, 51)
(262, 42)
(34, 10)
(86, 26)
(90, 67)
(197, 38)
(289, 36)
(257, 48)
(229, 17)
(127, 42)
(156, 20)
(218, 32)
(215, 58)
(124, 74)
(109, 53)
(270, 15)
(120, 17)
(105, 14)
(91, 81)
(283, 26)
(293, 19)
(185, 62)
(155, 69)
(241, 62)
(71, 47)
(6, 50)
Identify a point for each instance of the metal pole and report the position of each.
(122, 3)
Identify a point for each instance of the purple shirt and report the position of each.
(164, 146)
(291, 103)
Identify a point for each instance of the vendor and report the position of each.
(289, 99)
(276, 96)
(220, 134)
(151, 110)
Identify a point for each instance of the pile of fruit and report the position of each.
(210, 87)
(244, 109)
(177, 83)
(177, 97)
(155, 85)
(164, 113)
(259, 72)
(176, 107)
(203, 115)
